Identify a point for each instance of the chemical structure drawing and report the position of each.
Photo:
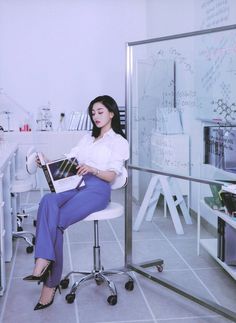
(226, 110)
(228, 113)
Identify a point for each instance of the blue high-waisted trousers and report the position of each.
(57, 211)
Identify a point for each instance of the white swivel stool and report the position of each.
(21, 186)
(113, 210)
(24, 183)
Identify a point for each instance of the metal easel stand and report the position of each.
(169, 187)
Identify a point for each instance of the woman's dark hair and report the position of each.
(112, 106)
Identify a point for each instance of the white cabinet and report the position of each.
(2, 239)
(7, 172)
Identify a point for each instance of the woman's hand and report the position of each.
(40, 159)
(85, 169)
(37, 160)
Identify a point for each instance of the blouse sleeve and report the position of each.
(119, 155)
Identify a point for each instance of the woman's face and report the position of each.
(101, 116)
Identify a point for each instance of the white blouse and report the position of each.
(106, 153)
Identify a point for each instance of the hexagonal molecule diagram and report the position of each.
(226, 110)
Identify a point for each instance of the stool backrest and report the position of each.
(31, 165)
(121, 179)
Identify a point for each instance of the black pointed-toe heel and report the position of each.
(40, 306)
(42, 277)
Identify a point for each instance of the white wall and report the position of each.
(211, 14)
(169, 17)
(65, 51)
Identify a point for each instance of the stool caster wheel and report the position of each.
(29, 249)
(129, 285)
(19, 229)
(33, 240)
(159, 268)
(70, 298)
(64, 283)
(98, 281)
(34, 223)
(112, 299)
(19, 219)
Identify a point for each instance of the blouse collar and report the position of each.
(110, 133)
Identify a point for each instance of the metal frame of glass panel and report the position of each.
(140, 268)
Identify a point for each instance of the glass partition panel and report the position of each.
(177, 248)
(181, 104)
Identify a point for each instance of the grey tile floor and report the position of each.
(148, 302)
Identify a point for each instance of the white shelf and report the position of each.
(213, 173)
(211, 246)
(231, 221)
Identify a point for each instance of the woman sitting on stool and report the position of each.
(101, 156)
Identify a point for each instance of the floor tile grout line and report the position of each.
(71, 267)
(187, 269)
(128, 321)
(188, 265)
(90, 242)
(145, 299)
(164, 319)
(10, 279)
(115, 235)
(183, 318)
(136, 278)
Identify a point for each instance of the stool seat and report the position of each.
(20, 186)
(113, 210)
